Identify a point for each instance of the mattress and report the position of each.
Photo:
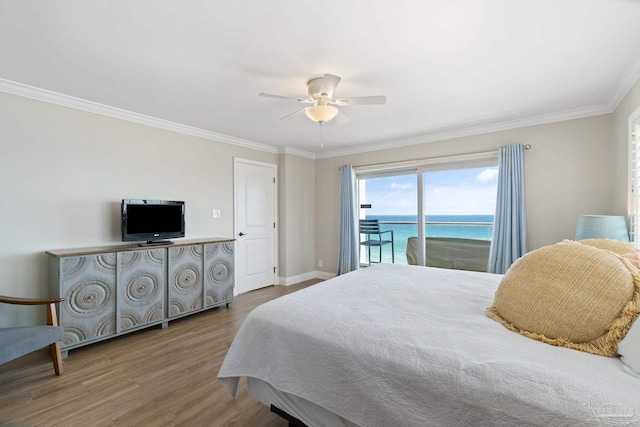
(395, 345)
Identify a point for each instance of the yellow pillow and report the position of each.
(616, 246)
(570, 295)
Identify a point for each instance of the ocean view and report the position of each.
(405, 226)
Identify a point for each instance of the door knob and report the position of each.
(242, 234)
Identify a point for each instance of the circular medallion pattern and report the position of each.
(228, 247)
(220, 272)
(73, 266)
(105, 263)
(228, 294)
(176, 254)
(211, 298)
(211, 250)
(186, 278)
(141, 288)
(154, 313)
(88, 298)
(74, 333)
(154, 257)
(196, 251)
(129, 319)
(176, 307)
(106, 326)
(129, 259)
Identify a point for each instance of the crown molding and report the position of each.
(297, 152)
(628, 79)
(461, 131)
(44, 95)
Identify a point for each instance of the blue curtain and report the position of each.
(348, 257)
(509, 240)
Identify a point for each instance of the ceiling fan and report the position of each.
(321, 92)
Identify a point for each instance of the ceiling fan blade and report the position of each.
(341, 118)
(301, 100)
(295, 113)
(329, 84)
(361, 100)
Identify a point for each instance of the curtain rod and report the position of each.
(414, 161)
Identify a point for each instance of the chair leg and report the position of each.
(56, 357)
(369, 255)
(393, 253)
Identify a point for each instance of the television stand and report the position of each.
(112, 290)
(155, 243)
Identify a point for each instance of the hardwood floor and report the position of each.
(154, 377)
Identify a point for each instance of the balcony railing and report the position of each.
(402, 230)
(485, 224)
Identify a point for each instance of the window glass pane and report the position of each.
(460, 203)
(459, 208)
(394, 202)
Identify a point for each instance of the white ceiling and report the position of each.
(448, 68)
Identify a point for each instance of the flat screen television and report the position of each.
(152, 221)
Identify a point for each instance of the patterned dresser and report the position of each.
(114, 290)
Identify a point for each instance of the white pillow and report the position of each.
(629, 349)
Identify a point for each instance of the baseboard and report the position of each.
(324, 275)
(292, 280)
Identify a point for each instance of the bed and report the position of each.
(397, 345)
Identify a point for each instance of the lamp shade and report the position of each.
(321, 113)
(602, 227)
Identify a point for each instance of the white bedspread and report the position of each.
(394, 345)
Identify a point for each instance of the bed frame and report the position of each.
(293, 421)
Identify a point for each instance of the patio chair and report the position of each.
(18, 341)
(371, 227)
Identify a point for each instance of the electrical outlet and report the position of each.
(320, 263)
(216, 213)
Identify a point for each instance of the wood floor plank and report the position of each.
(152, 377)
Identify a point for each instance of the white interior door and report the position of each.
(255, 232)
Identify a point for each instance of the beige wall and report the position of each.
(297, 218)
(620, 145)
(569, 172)
(63, 173)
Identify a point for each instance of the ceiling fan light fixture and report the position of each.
(321, 113)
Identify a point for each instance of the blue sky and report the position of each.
(451, 192)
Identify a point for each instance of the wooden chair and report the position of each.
(22, 340)
(371, 227)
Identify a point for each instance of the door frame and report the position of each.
(276, 230)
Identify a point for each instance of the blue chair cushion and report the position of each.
(16, 342)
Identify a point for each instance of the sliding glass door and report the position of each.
(458, 204)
